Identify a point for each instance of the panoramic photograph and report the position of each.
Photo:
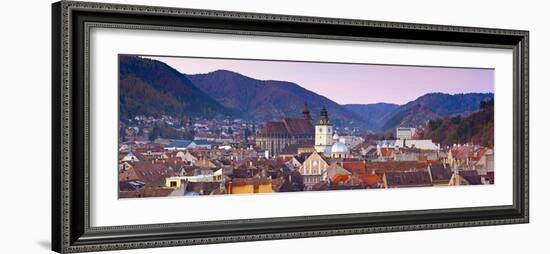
(193, 126)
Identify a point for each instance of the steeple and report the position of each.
(323, 118)
(323, 133)
(305, 112)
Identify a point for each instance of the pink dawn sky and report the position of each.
(350, 83)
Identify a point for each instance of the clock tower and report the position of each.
(323, 132)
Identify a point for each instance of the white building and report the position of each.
(424, 144)
(351, 141)
(339, 150)
(177, 181)
(323, 132)
(130, 157)
(187, 157)
(405, 133)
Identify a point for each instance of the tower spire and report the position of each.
(305, 112)
(323, 118)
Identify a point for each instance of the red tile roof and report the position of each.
(283, 159)
(337, 179)
(369, 179)
(147, 172)
(354, 166)
(172, 159)
(387, 152)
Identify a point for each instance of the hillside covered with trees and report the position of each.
(476, 128)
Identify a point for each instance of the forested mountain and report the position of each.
(150, 87)
(476, 128)
(431, 106)
(265, 100)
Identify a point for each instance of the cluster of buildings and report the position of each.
(213, 131)
(296, 154)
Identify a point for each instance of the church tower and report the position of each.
(323, 132)
(305, 112)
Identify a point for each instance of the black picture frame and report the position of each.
(71, 231)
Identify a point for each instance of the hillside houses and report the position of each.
(187, 144)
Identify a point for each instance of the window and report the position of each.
(173, 184)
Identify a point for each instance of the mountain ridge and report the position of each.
(162, 83)
(433, 105)
(267, 99)
(151, 87)
(372, 112)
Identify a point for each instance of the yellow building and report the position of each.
(250, 186)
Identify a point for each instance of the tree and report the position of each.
(452, 138)
(247, 133)
(154, 133)
(486, 104)
(122, 134)
(434, 124)
(456, 119)
(389, 135)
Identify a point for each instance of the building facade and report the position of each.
(312, 170)
(405, 133)
(323, 132)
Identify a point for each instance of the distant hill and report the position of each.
(265, 100)
(476, 128)
(150, 87)
(431, 106)
(372, 113)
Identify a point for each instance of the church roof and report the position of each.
(289, 126)
(274, 128)
(297, 126)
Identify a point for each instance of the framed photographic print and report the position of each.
(181, 126)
